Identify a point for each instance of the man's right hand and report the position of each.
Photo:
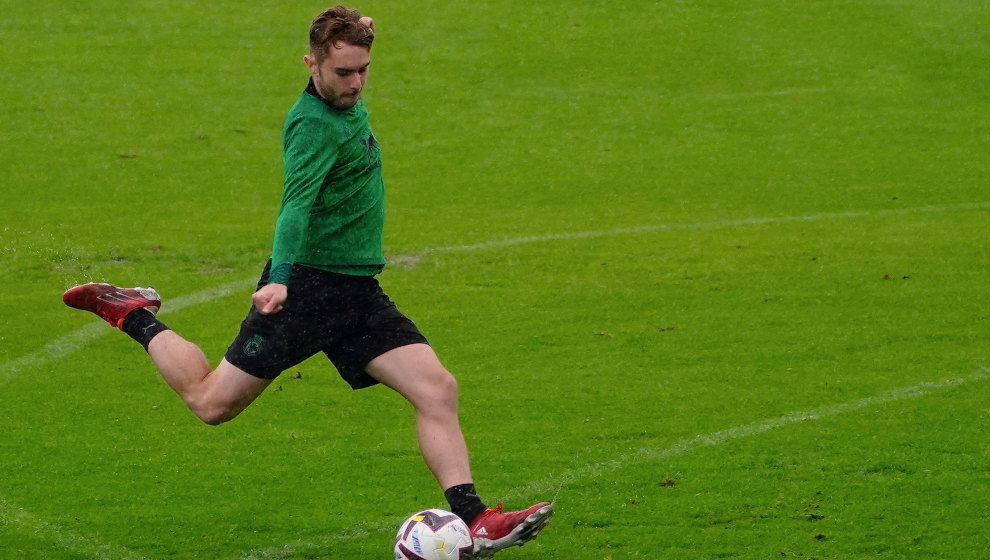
(270, 298)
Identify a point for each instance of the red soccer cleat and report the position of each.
(493, 530)
(110, 302)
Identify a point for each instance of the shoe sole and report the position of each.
(522, 534)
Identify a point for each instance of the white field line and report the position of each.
(23, 522)
(653, 453)
(71, 342)
(67, 344)
(585, 473)
(718, 224)
(75, 340)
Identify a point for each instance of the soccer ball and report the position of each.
(433, 534)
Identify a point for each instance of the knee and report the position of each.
(211, 413)
(215, 416)
(444, 390)
(447, 386)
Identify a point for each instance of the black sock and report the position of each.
(142, 326)
(464, 502)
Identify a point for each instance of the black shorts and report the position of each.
(348, 318)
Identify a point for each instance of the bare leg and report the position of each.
(215, 396)
(417, 374)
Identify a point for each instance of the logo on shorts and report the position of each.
(253, 347)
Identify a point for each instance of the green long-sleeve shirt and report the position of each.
(333, 205)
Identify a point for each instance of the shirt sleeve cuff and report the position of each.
(280, 274)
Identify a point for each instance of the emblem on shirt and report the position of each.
(372, 145)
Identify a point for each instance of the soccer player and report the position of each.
(318, 292)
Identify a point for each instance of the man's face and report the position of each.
(340, 76)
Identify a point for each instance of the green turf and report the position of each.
(712, 275)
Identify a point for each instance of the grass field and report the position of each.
(713, 276)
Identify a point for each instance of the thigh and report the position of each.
(231, 389)
(414, 371)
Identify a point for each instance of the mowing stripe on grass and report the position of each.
(21, 521)
(71, 342)
(67, 344)
(653, 453)
(75, 340)
(650, 453)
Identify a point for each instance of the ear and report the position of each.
(311, 63)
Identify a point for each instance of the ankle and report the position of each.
(464, 502)
(142, 326)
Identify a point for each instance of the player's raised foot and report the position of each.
(110, 302)
(494, 530)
